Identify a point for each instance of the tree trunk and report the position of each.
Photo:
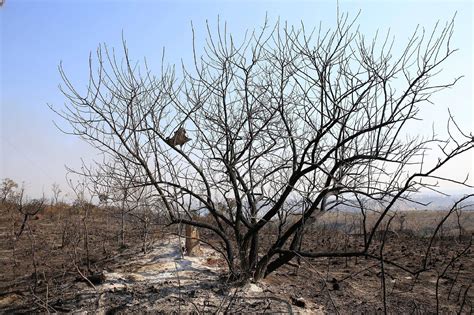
(122, 231)
(193, 247)
(86, 237)
(145, 236)
(253, 255)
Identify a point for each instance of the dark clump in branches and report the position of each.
(288, 122)
(179, 138)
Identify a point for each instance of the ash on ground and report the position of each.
(165, 280)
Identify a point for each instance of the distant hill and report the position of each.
(422, 202)
(438, 202)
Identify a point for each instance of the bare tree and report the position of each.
(28, 209)
(56, 193)
(84, 206)
(287, 116)
(7, 189)
(119, 192)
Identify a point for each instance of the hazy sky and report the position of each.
(37, 35)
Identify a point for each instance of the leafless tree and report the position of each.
(56, 190)
(28, 209)
(84, 206)
(7, 189)
(286, 115)
(123, 197)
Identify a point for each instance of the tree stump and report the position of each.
(193, 247)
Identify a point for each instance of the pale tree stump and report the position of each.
(193, 247)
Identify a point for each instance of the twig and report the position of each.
(382, 267)
(454, 282)
(322, 278)
(464, 298)
(179, 287)
(85, 278)
(39, 301)
(453, 259)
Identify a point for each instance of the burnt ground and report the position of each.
(162, 280)
(354, 285)
(126, 280)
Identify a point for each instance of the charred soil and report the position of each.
(46, 270)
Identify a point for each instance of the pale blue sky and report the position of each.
(37, 35)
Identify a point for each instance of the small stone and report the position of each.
(298, 301)
(97, 278)
(335, 284)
